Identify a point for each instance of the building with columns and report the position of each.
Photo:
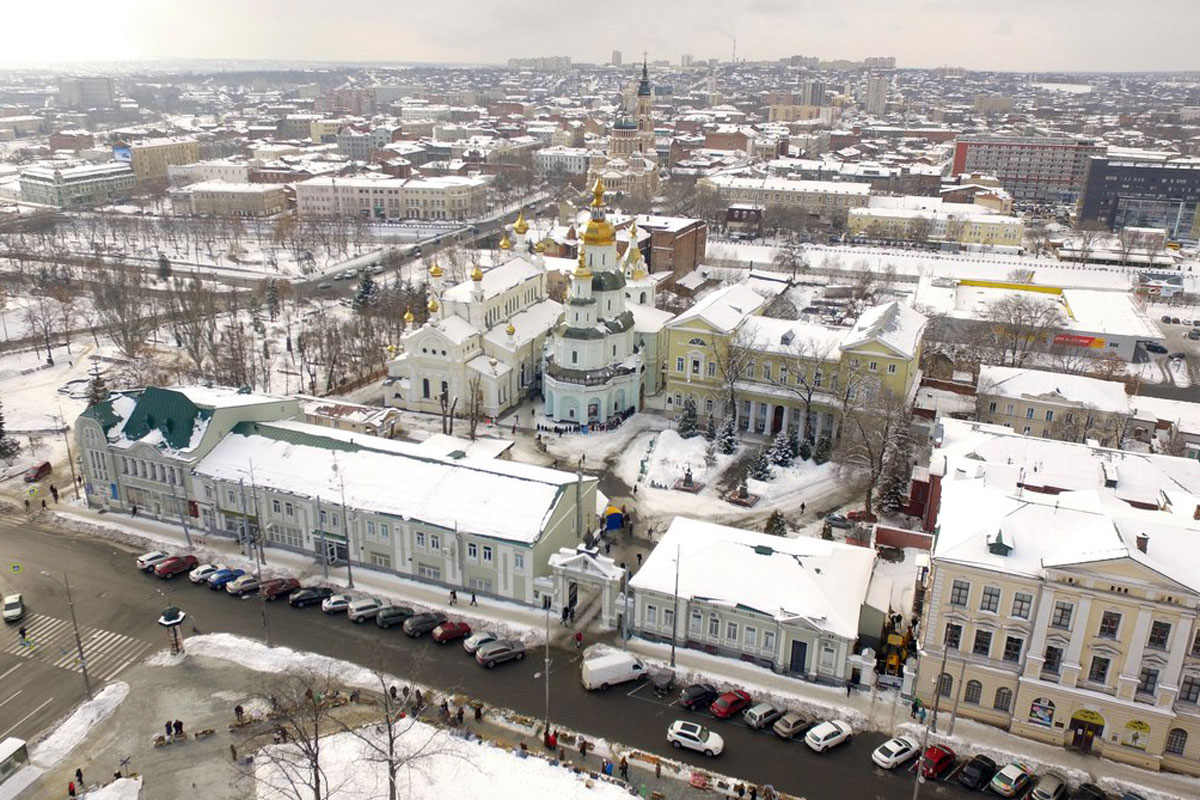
(593, 369)
(630, 165)
(484, 335)
(1058, 606)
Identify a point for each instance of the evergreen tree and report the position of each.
(97, 390)
(710, 454)
(727, 438)
(164, 266)
(273, 299)
(821, 453)
(761, 471)
(781, 450)
(806, 450)
(894, 484)
(710, 430)
(794, 442)
(687, 420)
(776, 524)
(368, 293)
(10, 448)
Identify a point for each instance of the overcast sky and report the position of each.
(983, 34)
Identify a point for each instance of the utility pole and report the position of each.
(187, 534)
(324, 544)
(87, 681)
(70, 458)
(546, 669)
(258, 526)
(346, 533)
(962, 673)
(675, 610)
(937, 696)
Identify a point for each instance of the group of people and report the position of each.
(173, 729)
(454, 598)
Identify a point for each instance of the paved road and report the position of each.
(111, 597)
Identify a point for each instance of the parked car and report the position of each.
(307, 595)
(1050, 786)
(1194, 334)
(695, 737)
(324, 285)
(894, 752)
(861, 515)
(499, 651)
(393, 615)
(730, 703)
(37, 472)
(698, 695)
(223, 576)
(278, 587)
(977, 773)
(449, 631)
(200, 574)
(838, 520)
(937, 761)
(478, 639)
(791, 725)
(242, 585)
(336, 602)
(1166, 318)
(1174, 320)
(1089, 791)
(1179, 355)
(174, 565)
(14, 607)
(421, 624)
(362, 610)
(1155, 347)
(1132, 796)
(609, 669)
(1011, 780)
(148, 561)
(761, 716)
(827, 734)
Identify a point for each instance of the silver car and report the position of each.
(478, 639)
(498, 652)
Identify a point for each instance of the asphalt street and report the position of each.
(112, 598)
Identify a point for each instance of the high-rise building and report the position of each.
(1143, 194)
(880, 62)
(616, 58)
(1030, 167)
(812, 93)
(685, 60)
(877, 90)
(85, 92)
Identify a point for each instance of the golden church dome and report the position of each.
(510, 330)
(433, 305)
(408, 316)
(477, 273)
(505, 244)
(521, 227)
(435, 271)
(582, 270)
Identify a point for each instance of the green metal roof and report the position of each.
(103, 414)
(294, 437)
(169, 412)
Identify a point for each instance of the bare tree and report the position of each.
(41, 319)
(732, 362)
(790, 258)
(1020, 324)
(1022, 275)
(119, 297)
(447, 410)
(807, 368)
(474, 404)
(194, 307)
(870, 432)
(919, 229)
(1087, 237)
(1088, 422)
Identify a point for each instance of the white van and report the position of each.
(600, 672)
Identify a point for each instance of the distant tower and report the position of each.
(645, 121)
(616, 58)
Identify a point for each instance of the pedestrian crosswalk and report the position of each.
(52, 640)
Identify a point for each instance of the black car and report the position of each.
(977, 773)
(422, 624)
(1089, 791)
(698, 695)
(1155, 347)
(308, 595)
(393, 615)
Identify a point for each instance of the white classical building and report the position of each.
(486, 334)
(593, 370)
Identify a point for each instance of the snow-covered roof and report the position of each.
(1183, 415)
(791, 336)
(1017, 383)
(496, 280)
(648, 319)
(821, 582)
(725, 308)
(535, 321)
(490, 497)
(893, 324)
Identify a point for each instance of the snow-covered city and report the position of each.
(744, 401)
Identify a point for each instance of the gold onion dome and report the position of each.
(540, 246)
(510, 330)
(477, 273)
(582, 270)
(436, 270)
(408, 316)
(433, 305)
(598, 193)
(521, 227)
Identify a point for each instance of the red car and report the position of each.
(730, 703)
(449, 631)
(861, 515)
(278, 587)
(174, 565)
(937, 761)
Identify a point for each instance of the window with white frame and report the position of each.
(420, 539)
(750, 636)
(289, 509)
(652, 615)
(472, 551)
(383, 531)
(435, 542)
(487, 554)
(371, 529)
(695, 622)
(769, 641)
(714, 626)
(669, 619)
(518, 562)
(380, 560)
(731, 631)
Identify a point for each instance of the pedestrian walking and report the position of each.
(71, 789)
(565, 613)
(571, 614)
(802, 508)
(178, 729)
(624, 769)
(392, 692)
(753, 792)
(79, 776)
(406, 694)
(233, 752)
(913, 708)
(54, 492)
(921, 715)
(607, 548)
(417, 699)
(43, 504)
(169, 728)
(583, 748)
(460, 715)
(26, 505)
(479, 712)
(453, 597)
(24, 636)
(658, 769)
(741, 790)
(133, 511)
(474, 602)
(578, 640)
(239, 712)
(639, 558)
(848, 687)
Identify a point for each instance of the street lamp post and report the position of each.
(70, 459)
(87, 681)
(546, 668)
(675, 610)
(346, 533)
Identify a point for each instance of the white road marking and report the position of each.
(27, 716)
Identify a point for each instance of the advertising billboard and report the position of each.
(122, 152)
(1071, 340)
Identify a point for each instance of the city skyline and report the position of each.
(1022, 36)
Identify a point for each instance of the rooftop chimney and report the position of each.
(1143, 542)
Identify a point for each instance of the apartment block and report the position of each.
(1143, 194)
(1045, 168)
(450, 197)
(76, 186)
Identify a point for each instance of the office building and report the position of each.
(450, 197)
(1143, 194)
(151, 158)
(85, 92)
(76, 186)
(877, 91)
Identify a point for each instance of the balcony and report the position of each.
(586, 377)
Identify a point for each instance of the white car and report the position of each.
(695, 737)
(14, 608)
(336, 602)
(148, 561)
(241, 585)
(362, 610)
(479, 639)
(894, 752)
(827, 735)
(200, 574)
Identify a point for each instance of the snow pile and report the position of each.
(438, 770)
(70, 732)
(123, 789)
